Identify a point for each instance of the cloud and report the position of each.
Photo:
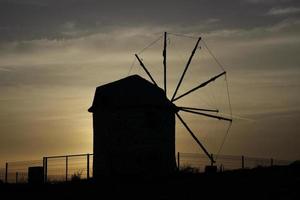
(284, 30)
(267, 1)
(287, 25)
(5, 69)
(276, 113)
(59, 20)
(68, 62)
(283, 11)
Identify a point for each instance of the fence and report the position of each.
(56, 168)
(67, 167)
(17, 172)
(2, 175)
(74, 167)
(224, 162)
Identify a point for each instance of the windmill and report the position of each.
(201, 112)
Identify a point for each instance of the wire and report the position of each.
(179, 56)
(229, 126)
(223, 141)
(229, 102)
(230, 110)
(214, 57)
(228, 96)
(149, 45)
(131, 66)
(183, 35)
(238, 117)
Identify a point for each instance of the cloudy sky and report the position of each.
(53, 53)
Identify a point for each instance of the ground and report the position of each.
(259, 183)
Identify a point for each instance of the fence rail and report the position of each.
(79, 166)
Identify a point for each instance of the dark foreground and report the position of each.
(259, 183)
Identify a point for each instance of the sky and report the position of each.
(53, 54)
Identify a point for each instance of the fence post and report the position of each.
(17, 174)
(272, 162)
(45, 166)
(88, 166)
(6, 172)
(243, 162)
(178, 161)
(66, 168)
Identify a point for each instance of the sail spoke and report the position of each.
(198, 109)
(185, 69)
(207, 115)
(199, 86)
(145, 69)
(195, 138)
(165, 62)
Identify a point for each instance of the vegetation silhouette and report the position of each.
(277, 182)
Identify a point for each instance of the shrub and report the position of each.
(76, 176)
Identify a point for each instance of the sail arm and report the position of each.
(200, 86)
(198, 109)
(165, 62)
(145, 69)
(195, 138)
(207, 115)
(185, 69)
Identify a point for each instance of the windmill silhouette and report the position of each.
(134, 123)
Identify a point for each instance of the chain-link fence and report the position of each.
(51, 169)
(2, 175)
(198, 162)
(17, 172)
(80, 166)
(68, 167)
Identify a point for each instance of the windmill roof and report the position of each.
(132, 91)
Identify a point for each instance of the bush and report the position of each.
(76, 176)
(189, 169)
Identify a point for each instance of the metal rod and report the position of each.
(17, 177)
(185, 69)
(66, 168)
(200, 109)
(243, 162)
(88, 166)
(45, 169)
(145, 69)
(207, 115)
(195, 138)
(6, 172)
(199, 86)
(165, 62)
(72, 155)
(178, 161)
(272, 162)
